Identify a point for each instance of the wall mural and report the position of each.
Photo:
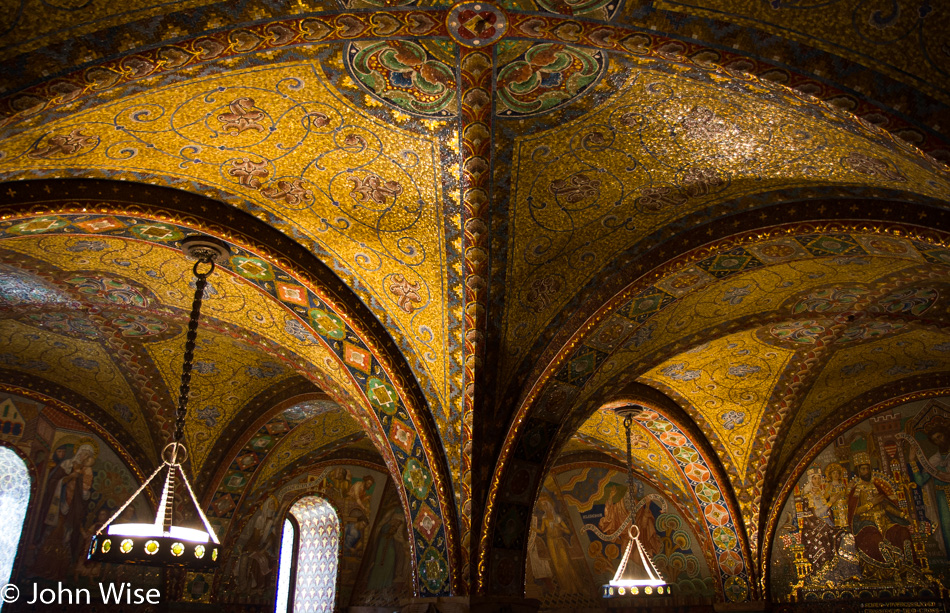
(249, 574)
(869, 516)
(385, 575)
(80, 483)
(570, 554)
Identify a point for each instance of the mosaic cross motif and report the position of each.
(476, 24)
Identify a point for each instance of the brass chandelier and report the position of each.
(161, 543)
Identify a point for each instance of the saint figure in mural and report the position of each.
(615, 508)
(257, 566)
(880, 531)
(68, 488)
(353, 532)
(816, 494)
(837, 487)
(539, 556)
(933, 474)
(358, 495)
(557, 538)
(389, 556)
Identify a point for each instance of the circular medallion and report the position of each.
(476, 24)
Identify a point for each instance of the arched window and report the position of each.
(14, 498)
(309, 558)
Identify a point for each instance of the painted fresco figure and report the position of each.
(389, 558)
(837, 494)
(615, 508)
(539, 556)
(358, 494)
(257, 566)
(353, 531)
(816, 493)
(935, 478)
(557, 535)
(874, 518)
(69, 486)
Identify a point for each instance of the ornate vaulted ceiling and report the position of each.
(457, 232)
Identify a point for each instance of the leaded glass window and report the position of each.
(14, 498)
(309, 558)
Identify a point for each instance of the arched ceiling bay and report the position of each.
(663, 450)
(263, 324)
(727, 383)
(872, 63)
(663, 148)
(369, 201)
(114, 287)
(750, 339)
(376, 199)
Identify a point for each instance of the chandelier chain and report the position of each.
(627, 423)
(201, 280)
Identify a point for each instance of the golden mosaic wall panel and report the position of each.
(316, 432)
(50, 22)
(711, 303)
(229, 375)
(281, 143)
(78, 365)
(225, 383)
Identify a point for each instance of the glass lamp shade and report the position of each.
(162, 549)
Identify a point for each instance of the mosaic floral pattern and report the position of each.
(729, 382)
(405, 74)
(543, 77)
(370, 195)
(691, 150)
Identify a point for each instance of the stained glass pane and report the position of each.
(14, 498)
(283, 571)
(317, 555)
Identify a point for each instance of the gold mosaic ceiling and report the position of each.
(490, 208)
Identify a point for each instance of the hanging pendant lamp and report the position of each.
(636, 575)
(161, 543)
